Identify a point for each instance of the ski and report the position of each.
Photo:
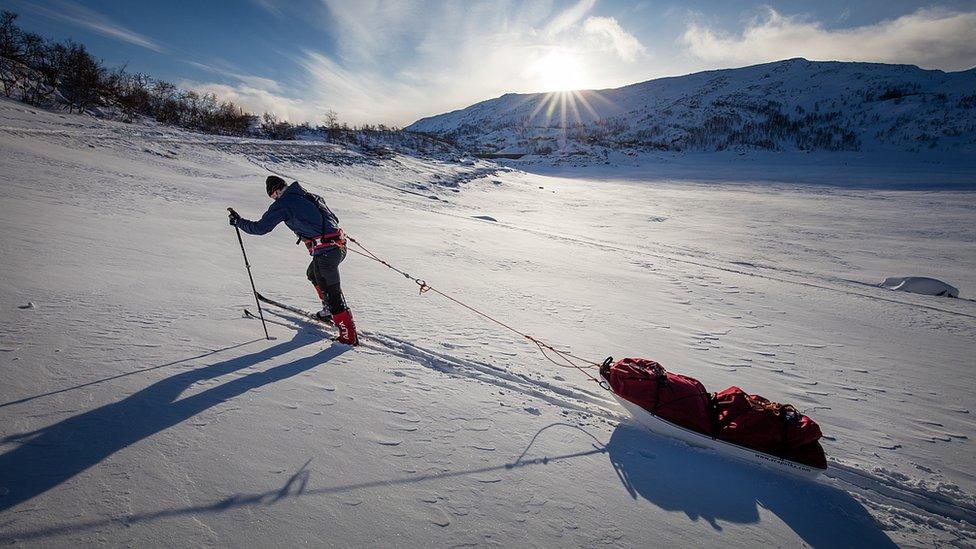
(293, 309)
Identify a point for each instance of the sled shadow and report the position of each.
(50, 456)
(703, 484)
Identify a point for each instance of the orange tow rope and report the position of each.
(569, 360)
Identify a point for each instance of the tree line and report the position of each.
(44, 73)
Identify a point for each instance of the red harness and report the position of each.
(325, 241)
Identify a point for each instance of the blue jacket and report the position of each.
(304, 213)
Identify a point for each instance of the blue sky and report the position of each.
(396, 61)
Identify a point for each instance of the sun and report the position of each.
(559, 71)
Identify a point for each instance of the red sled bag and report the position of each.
(676, 398)
(779, 429)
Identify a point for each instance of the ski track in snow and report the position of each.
(891, 489)
(563, 396)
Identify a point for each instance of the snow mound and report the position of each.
(920, 285)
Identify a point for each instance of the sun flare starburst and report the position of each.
(559, 71)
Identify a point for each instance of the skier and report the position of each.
(314, 223)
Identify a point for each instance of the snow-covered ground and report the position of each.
(137, 407)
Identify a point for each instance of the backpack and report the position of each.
(327, 216)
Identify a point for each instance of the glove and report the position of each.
(233, 217)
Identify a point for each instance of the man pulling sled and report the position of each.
(318, 228)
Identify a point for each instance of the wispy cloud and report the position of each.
(256, 93)
(256, 96)
(397, 61)
(394, 61)
(269, 6)
(400, 60)
(76, 14)
(625, 44)
(930, 38)
(570, 17)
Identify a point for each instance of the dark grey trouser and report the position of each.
(323, 272)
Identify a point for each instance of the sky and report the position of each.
(393, 62)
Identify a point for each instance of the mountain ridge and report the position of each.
(794, 104)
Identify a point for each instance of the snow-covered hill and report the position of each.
(138, 407)
(792, 105)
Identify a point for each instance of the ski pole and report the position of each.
(253, 289)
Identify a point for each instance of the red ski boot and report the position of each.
(347, 328)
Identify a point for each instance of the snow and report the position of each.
(919, 285)
(138, 407)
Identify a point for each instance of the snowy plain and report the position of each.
(138, 407)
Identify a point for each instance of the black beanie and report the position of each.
(273, 183)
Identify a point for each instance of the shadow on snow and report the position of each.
(50, 456)
(297, 486)
(702, 485)
(126, 374)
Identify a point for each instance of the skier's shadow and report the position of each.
(705, 485)
(49, 456)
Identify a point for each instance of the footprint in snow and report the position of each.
(29, 305)
(533, 411)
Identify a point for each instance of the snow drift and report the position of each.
(919, 285)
